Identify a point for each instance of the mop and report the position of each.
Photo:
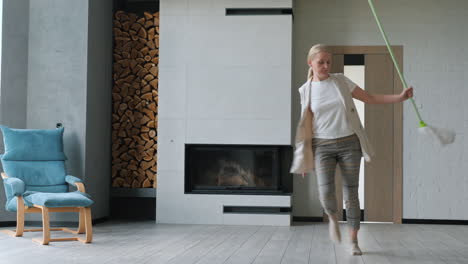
(443, 136)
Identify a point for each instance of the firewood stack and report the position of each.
(135, 100)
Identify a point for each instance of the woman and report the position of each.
(330, 133)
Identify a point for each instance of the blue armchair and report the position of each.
(35, 181)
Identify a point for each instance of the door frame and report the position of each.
(397, 127)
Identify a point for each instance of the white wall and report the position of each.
(222, 80)
(434, 37)
(69, 81)
(57, 64)
(15, 29)
(57, 72)
(57, 77)
(1, 22)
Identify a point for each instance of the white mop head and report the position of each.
(441, 135)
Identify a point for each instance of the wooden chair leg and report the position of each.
(88, 226)
(81, 224)
(45, 227)
(19, 217)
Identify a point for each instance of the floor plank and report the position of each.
(372, 251)
(441, 244)
(148, 242)
(322, 250)
(275, 248)
(196, 252)
(342, 250)
(175, 249)
(298, 250)
(251, 248)
(223, 251)
(401, 246)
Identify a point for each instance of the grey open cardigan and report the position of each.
(303, 160)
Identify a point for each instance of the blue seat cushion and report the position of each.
(68, 199)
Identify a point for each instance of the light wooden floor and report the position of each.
(147, 242)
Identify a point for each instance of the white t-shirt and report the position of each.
(329, 112)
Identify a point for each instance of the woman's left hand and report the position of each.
(407, 93)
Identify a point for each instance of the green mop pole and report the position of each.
(402, 78)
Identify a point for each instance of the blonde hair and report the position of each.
(316, 49)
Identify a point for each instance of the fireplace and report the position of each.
(229, 169)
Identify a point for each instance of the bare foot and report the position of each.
(354, 249)
(334, 229)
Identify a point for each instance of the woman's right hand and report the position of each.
(406, 93)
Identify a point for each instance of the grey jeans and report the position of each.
(346, 152)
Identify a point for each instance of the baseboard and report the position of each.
(227, 209)
(307, 219)
(7, 223)
(52, 223)
(434, 221)
(320, 219)
(404, 221)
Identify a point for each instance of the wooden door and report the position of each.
(383, 125)
(378, 186)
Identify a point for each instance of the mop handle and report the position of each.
(402, 78)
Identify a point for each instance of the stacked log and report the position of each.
(135, 100)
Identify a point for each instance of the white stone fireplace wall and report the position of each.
(223, 80)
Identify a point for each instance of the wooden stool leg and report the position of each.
(81, 224)
(88, 226)
(45, 227)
